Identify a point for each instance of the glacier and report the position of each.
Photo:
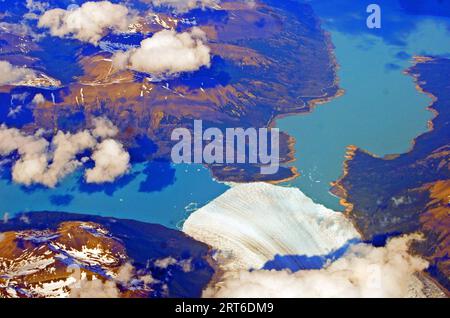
(252, 223)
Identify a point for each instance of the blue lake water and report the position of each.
(157, 193)
(381, 111)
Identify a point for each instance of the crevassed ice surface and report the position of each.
(251, 223)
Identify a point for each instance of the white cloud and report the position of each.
(111, 161)
(66, 147)
(89, 22)
(185, 264)
(5, 217)
(21, 75)
(165, 262)
(167, 53)
(43, 162)
(182, 6)
(38, 99)
(126, 276)
(31, 149)
(95, 289)
(12, 75)
(25, 219)
(125, 273)
(104, 128)
(36, 6)
(364, 271)
(20, 29)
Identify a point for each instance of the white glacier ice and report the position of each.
(251, 223)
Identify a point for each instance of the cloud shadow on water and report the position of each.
(143, 148)
(302, 262)
(159, 175)
(107, 188)
(61, 200)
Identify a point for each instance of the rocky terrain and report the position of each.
(68, 255)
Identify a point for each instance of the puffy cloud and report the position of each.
(125, 273)
(20, 75)
(5, 217)
(87, 23)
(185, 264)
(364, 271)
(34, 8)
(38, 99)
(19, 29)
(43, 162)
(167, 53)
(25, 219)
(13, 75)
(12, 139)
(31, 149)
(165, 262)
(182, 6)
(95, 289)
(111, 161)
(66, 146)
(126, 276)
(104, 128)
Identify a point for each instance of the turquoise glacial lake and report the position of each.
(138, 198)
(381, 110)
